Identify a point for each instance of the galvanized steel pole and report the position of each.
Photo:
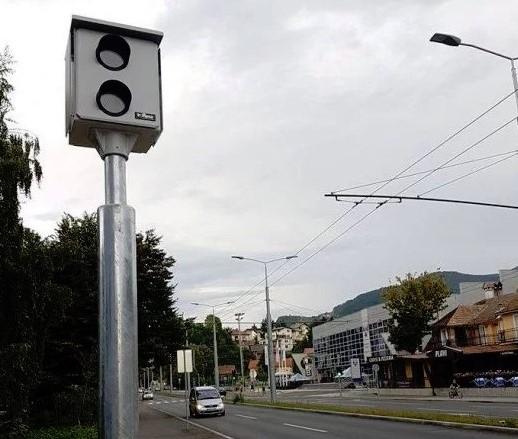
(216, 370)
(118, 368)
(239, 317)
(271, 359)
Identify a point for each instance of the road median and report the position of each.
(472, 422)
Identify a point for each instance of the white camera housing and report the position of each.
(113, 82)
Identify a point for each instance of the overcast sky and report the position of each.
(269, 105)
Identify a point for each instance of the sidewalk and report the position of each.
(157, 425)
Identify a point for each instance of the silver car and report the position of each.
(147, 394)
(205, 400)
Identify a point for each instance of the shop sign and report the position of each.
(381, 359)
(442, 353)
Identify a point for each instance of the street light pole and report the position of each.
(215, 341)
(452, 40)
(216, 369)
(271, 359)
(239, 317)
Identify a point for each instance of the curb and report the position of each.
(448, 424)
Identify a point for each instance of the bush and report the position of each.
(238, 398)
(64, 433)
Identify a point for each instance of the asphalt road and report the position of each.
(242, 422)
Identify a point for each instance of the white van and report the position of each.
(205, 400)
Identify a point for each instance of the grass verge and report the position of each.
(402, 414)
(75, 432)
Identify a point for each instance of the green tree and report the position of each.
(413, 303)
(19, 168)
(161, 329)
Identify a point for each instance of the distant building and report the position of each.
(227, 372)
(476, 339)
(299, 331)
(364, 335)
(247, 337)
(284, 336)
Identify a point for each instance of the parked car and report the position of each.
(147, 394)
(205, 400)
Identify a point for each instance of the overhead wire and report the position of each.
(427, 175)
(428, 170)
(455, 180)
(384, 184)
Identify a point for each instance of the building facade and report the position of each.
(364, 335)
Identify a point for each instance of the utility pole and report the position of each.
(170, 378)
(161, 382)
(216, 369)
(239, 317)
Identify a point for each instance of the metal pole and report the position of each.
(239, 317)
(271, 359)
(118, 365)
(185, 385)
(161, 383)
(216, 371)
(170, 378)
(515, 82)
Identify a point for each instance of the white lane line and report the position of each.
(305, 428)
(460, 414)
(217, 433)
(247, 417)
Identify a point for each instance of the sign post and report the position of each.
(184, 365)
(113, 104)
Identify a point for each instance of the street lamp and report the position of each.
(452, 40)
(216, 371)
(239, 317)
(271, 368)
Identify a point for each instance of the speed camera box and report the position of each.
(113, 81)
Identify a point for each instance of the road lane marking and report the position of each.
(217, 433)
(247, 417)
(305, 428)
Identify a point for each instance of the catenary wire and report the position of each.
(428, 170)
(454, 180)
(471, 146)
(338, 219)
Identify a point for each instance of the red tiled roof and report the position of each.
(481, 312)
(226, 369)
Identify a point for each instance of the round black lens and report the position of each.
(113, 97)
(113, 52)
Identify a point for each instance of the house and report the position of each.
(284, 336)
(299, 331)
(227, 372)
(476, 339)
(246, 337)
